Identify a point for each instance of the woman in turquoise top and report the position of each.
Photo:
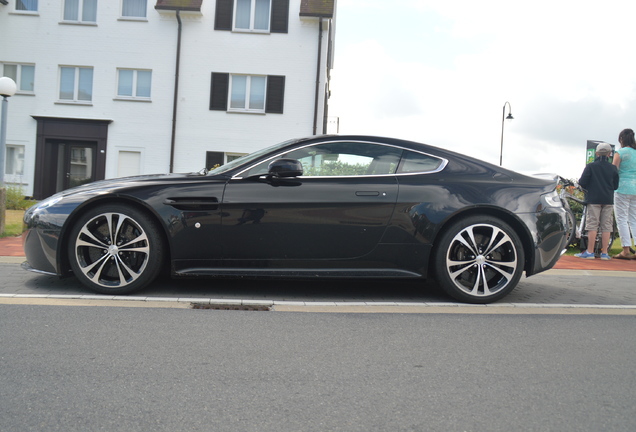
(625, 195)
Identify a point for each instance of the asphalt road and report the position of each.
(149, 369)
(555, 355)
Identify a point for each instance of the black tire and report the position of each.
(571, 226)
(115, 249)
(479, 259)
(598, 246)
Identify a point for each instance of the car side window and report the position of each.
(413, 162)
(347, 159)
(340, 159)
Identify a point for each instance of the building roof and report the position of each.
(317, 8)
(184, 5)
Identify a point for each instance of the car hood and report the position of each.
(124, 182)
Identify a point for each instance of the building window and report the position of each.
(229, 157)
(216, 159)
(22, 74)
(14, 160)
(213, 160)
(26, 5)
(247, 93)
(76, 84)
(134, 84)
(83, 11)
(133, 8)
(252, 15)
(260, 16)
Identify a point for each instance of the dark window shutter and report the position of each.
(280, 16)
(213, 158)
(275, 94)
(219, 91)
(223, 15)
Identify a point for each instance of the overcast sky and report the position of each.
(440, 72)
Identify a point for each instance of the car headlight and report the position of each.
(42, 205)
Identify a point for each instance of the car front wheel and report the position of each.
(115, 249)
(479, 259)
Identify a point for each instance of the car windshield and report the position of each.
(249, 158)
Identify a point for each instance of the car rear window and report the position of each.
(413, 162)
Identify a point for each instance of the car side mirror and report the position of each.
(285, 168)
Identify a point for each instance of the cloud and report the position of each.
(565, 68)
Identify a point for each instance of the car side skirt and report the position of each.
(301, 273)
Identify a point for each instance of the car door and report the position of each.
(337, 210)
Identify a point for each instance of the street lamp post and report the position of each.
(7, 89)
(503, 118)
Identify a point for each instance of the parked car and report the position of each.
(327, 206)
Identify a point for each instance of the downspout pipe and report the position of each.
(327, 90)
(317, 95)
(176, 93)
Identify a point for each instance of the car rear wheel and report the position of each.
(115, 249)
(479, 259)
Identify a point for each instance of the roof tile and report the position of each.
(185, 5)
(317, 8)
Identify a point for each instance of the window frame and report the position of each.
(135, 85)
(80, 12)
(248, 94)
(19, 76)
(221, 158)
(26, 11)
(409, 159)
(261, 166)
(232, 156)
(133, 17)
(248, 172)
(251, 28)
(76, 86)
(16, 160)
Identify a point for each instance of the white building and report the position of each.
(110, 88)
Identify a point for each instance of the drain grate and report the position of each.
(231, 307)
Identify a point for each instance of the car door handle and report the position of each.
(367, 193)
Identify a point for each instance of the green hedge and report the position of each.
(16, 199)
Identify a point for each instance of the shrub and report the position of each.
(16, 199)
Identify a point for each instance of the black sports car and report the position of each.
(328, 206)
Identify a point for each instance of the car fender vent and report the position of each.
(193, 203)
